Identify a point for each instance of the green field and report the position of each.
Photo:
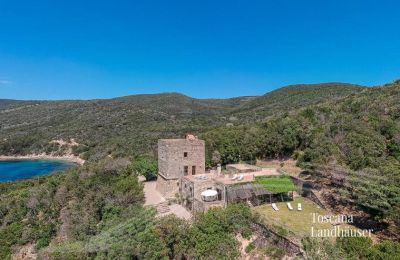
(294, 223)
(276, 184)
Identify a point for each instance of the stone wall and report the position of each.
(175, 154)
(305, 188)
(313, 197)
(199, 187)
(202, 206)
(299, 184)
(191, 194)
(187, 193)
(167, 187)
(266, 236)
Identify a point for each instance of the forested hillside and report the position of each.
(131, 125)
(352, 145)
(349, 142)
(96, 212)
(120, 127)
(292, 97)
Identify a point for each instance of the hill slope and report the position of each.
(131, 125)
(102, 126)
(95, 210)
(294, 96)
(351, 146)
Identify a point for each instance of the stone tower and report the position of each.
(177, 158)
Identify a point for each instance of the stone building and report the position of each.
(192, 189)
(213, 189)
(181, 171)
(178, 158)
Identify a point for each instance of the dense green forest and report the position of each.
(292, 97)
(131, 125)
(355, 139)
(345, 136)
(96, 212)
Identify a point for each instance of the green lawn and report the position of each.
(293, 222)
(276, 184)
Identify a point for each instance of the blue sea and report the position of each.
(22, 169)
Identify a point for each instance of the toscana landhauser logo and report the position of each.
(339, 229)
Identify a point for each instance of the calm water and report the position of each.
(21, 169)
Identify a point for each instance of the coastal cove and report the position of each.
(17, 169)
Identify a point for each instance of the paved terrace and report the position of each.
(242, 168)
(154, 198)
(226, 179)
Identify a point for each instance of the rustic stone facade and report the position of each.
(167, 187)
(178, 158)
(191, 189)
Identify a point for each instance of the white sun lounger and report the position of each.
(234, 177)
(289, 206)
(299, 207)
(274, 207)
(240, 177)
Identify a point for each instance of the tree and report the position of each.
(146, 166)
(317, 248)
(172, 231)
(215, 158)
(212, 235)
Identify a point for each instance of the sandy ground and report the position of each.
(180, 211)
(70, 158)
(152, 196)
(288, 165)
(24, 252)
(43, 156)
(243, 244)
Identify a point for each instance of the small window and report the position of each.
(185, 154)
(193, 170)
(185, 170)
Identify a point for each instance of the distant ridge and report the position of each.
(294, 96)
(131, 124)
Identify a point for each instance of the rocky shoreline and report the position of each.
(69, 158)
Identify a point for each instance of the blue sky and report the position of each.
(99, 49)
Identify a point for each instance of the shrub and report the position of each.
(146, 166)
(250, 247)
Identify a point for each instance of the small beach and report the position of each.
(68, 158)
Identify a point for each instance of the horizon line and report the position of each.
(189, 96)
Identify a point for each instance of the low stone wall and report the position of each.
(299, 184)
(311, 195)
(201, 206)
(167, 187)
(305, 188)
(266, 236)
